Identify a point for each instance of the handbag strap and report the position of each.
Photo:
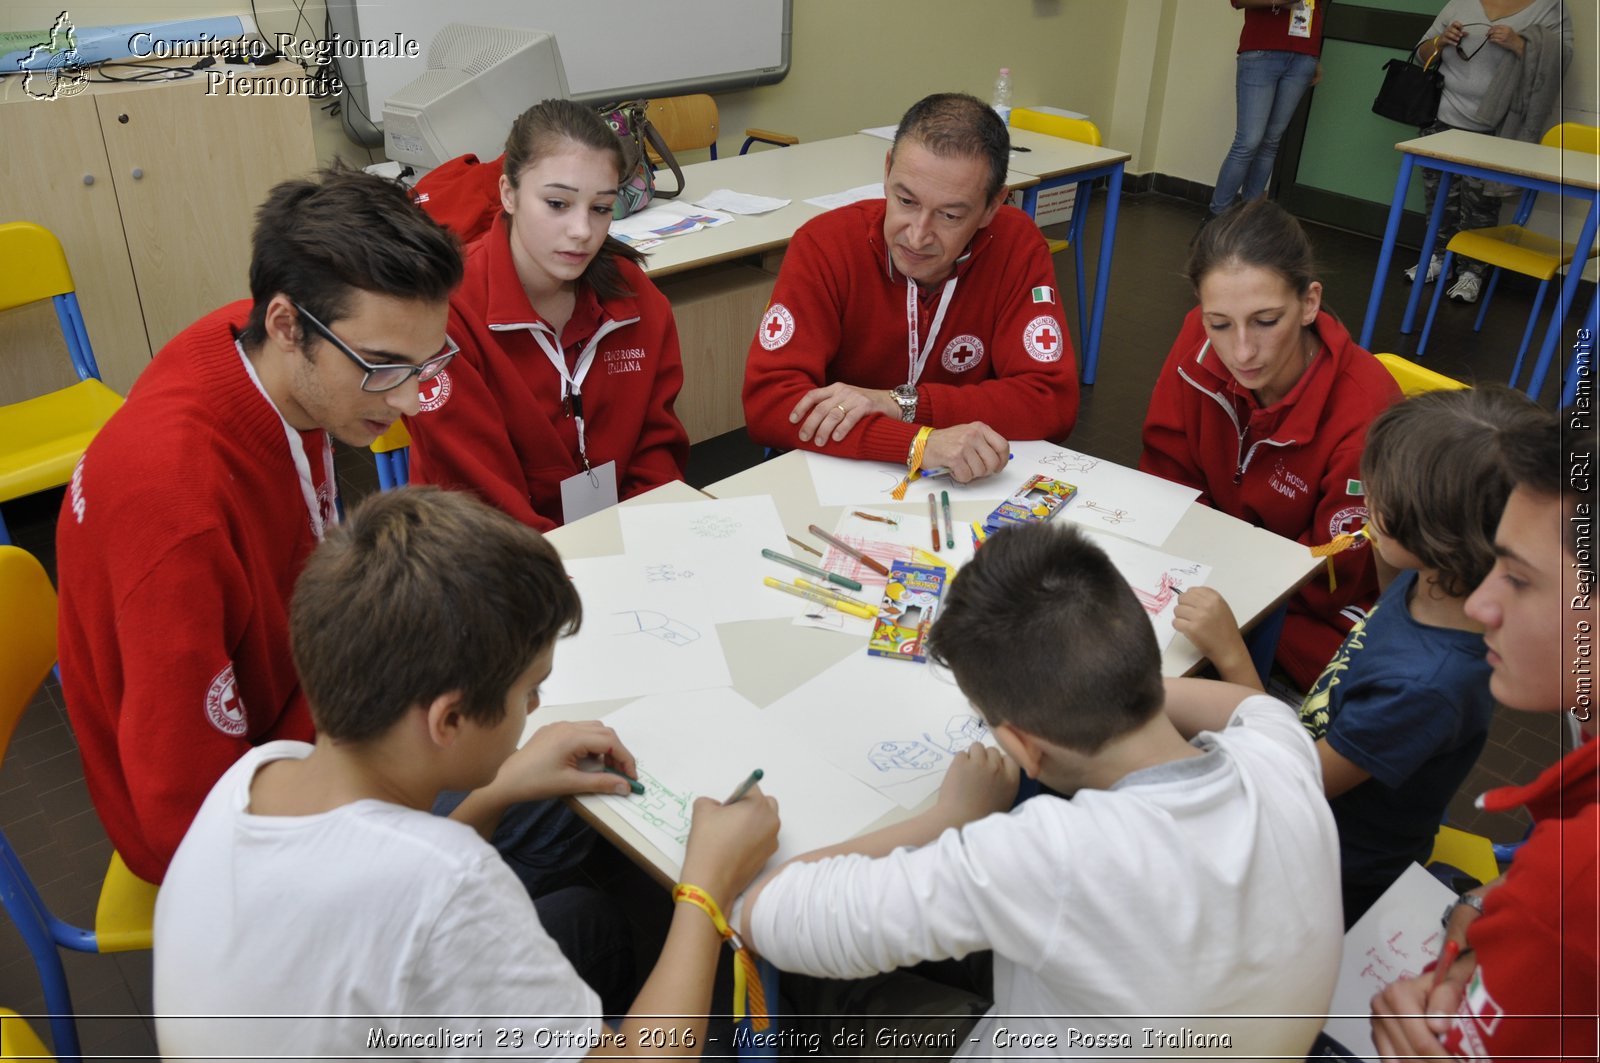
(1438, 53)
(661, 149)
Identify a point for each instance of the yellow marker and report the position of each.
(831, 593)
(862, 611)
(922, 557)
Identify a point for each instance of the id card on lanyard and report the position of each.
(593, 489)
(917, 354)
(322, 507)
(1300, 18)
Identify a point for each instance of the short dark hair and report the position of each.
(320, 239)
(1042, 632)
(955, 124)
(420, 593)
(1435, 470)
(546, 127)
(1257, 233)
(1536, 460)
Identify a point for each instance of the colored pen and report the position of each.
(923, 474)
(744, 787)
(949, 529)
(820, 598)
(874, 517)
(922, 557)
(633, 784)
(807, 547)
(978, 534)
(872, 563)
(831, 593)
(810, 570)
(933, 519)
(1452, 952)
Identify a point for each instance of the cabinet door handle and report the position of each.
(88, 178)
(138, 172)
(122, 118)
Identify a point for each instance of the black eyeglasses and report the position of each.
(1466, 57)
(384, 377)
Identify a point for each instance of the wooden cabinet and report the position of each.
(152, 189)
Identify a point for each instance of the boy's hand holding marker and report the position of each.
(559, 760)
(981, 780)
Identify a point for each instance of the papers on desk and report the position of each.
(848, 196)
(666, 219)
(1157, 578)
(705, 744)
(1397, 938)
(726, 199)
(1110, 497)
(717, 543)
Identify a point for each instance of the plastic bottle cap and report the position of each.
(1005, 70)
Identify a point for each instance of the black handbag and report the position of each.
(1410, 93)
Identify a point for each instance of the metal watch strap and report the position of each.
(905, 395)
(1470, 900)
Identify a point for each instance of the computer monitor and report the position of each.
(479, 78)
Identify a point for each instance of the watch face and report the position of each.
(906, 393)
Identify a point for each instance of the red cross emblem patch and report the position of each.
(962, 353)
(434, 393)
(224, 707)
(777, 327)
(1042, 339)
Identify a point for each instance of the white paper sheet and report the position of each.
(1157, 578)
(1397, 937)
(848, 196)
(893, 725)
(667, 219)
(642, 632)
(715, 546)
(1111, 497)
(882, 132)
(705, 744)
(726, 199)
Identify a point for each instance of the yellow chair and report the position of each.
(41, 439)
(393, 451)
(1471, 853)
(1516, 248)
(17, 1039)
(690, 123)
(1415, 379)
(126, 910)
(1084, 132)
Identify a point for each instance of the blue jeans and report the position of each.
(1269, 86)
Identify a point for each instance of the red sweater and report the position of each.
(1266, 29)
(838, 313)
(177, 546)
(1289, 468)
(1538, 942)
(493, 422)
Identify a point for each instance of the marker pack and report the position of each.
(1035, 502)
(910, 603)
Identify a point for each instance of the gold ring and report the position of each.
(840, 408)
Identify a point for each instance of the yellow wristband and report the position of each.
(746, 979)
(913, 463)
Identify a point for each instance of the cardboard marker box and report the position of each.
(910, 603)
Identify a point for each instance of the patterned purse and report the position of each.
(638, 189)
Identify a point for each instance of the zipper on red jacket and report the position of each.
(1242, 461)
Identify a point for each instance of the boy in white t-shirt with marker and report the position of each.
(315, 882)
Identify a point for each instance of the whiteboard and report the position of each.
(611, 49)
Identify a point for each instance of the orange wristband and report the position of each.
(746, 979)
(913, 463)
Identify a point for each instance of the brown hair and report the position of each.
(319, 239)
(955, 124)
(541, 130)
(421, 593)
(1438, 469)
(1258, 233)
(1042, 632)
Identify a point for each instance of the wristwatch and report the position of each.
(906, 396)
(1470, 900)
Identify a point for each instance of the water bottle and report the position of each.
(1002, 95)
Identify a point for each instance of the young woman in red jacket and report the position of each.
(1263, 405)
(561, 400)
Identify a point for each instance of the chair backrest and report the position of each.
(1574, 136)
(396, 437)
(32, 265)
(686, 123)
(1415, 379)
(27, 635)
(1054, 125)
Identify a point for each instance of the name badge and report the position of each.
(1300, 18)
(588, 492)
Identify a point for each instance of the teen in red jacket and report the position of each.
(1263, 405)
(994, 359)
(569, 355)
(1527, 985)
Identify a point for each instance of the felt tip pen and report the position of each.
(924, 474)
(810, 570)
(744, 787)
(820, 598)
(949, 529)
(922, 557)
(807, 547)
(1452, 952)
(933, 521)
(633, 784)
(870, 562)
(831, 592)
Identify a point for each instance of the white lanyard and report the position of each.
(917, 359)
(571, 383)
(302, 464)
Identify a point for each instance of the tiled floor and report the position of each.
(45, 809)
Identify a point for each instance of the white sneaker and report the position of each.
(1466, 288)
(1435, 264)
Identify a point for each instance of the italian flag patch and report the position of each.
(1044, 295)
(1354, 488)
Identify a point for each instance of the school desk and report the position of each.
(1456, 152)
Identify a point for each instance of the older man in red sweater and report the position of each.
(934, 308)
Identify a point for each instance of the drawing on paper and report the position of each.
(656, 625)
(1164, 593)
(1107, 513)
(1186, 570)
(715, 526)
(885, 553)
(666, 573)
(929, 751)
(1070, 462)
(662, 807)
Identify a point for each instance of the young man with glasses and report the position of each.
(190, 515)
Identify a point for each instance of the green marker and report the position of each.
(810, 570)
(633, 784)
(744, 787)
